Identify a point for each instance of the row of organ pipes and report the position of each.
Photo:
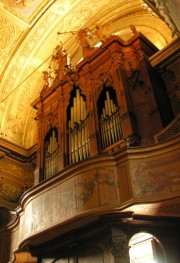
(110, 129)
(51, 156)
(110, 125)
(78, 130)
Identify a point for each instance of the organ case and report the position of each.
(104, 103)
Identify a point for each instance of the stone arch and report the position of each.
(145, 247)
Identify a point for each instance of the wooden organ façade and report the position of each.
(110, 100)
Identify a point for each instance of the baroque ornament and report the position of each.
(15, 123)
(7, 39)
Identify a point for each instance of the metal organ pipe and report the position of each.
(51, 156)
(114, 121)
(110, 123)
(78, 134)
(110, 113)
(72, 136)
(78, 107)
(75, 129)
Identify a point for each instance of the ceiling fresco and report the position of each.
(26, 10)
(28, 35)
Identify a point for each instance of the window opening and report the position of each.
(145, 248)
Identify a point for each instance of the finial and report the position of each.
(133, 29)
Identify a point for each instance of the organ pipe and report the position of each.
(110, 123)
(51, 156)
(78, 130)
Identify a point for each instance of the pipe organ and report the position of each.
(100, 105)
(78, 129)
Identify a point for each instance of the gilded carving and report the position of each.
(18, 63)
(79, 17)
(15, 123)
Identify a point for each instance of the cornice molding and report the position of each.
(15, 152)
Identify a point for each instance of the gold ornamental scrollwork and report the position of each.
(8, 31)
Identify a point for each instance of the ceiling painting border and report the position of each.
(33, 14)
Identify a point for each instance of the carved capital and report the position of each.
(120, 249)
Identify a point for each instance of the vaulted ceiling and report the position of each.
(28, 35)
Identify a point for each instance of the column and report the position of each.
(120, 249)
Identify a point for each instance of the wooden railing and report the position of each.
(171, 131)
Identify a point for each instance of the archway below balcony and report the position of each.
(146, 248)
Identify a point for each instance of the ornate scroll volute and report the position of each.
(119, 246)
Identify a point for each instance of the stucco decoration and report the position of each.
(9, 34)
(169, 10)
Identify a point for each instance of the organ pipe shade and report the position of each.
(109, 118)
(78, 134)
(51, 146)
